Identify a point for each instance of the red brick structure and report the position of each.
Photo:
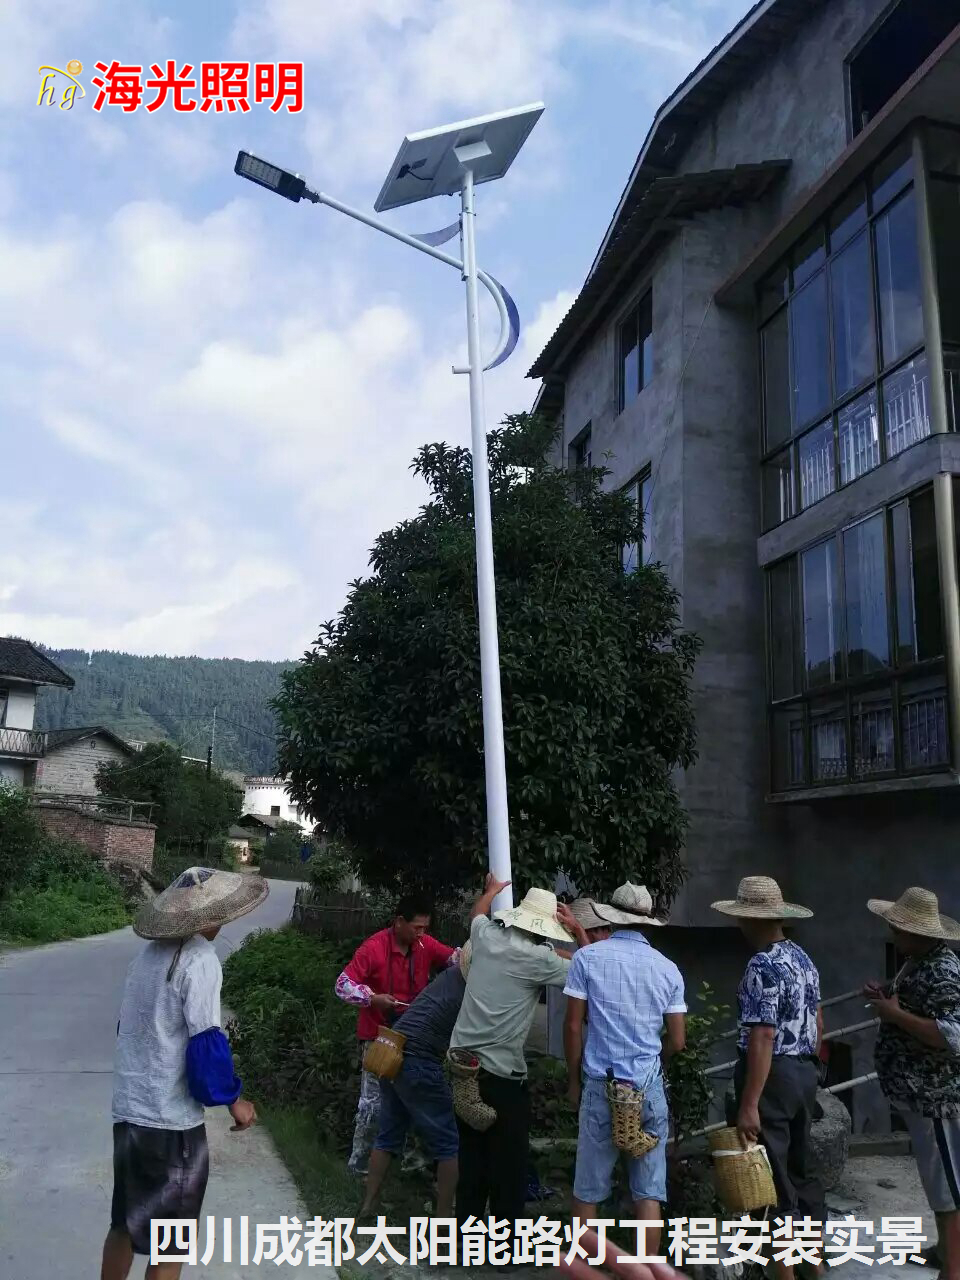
(112, 839)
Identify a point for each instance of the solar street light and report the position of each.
(454, 159)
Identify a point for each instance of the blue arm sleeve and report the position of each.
(210, 1074)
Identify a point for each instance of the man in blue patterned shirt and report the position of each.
(781, 1027)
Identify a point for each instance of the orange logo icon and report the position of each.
(74, 67)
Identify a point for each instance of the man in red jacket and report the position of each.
(386, 974)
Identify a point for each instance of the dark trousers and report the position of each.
(786, 1112)
(493, 1165)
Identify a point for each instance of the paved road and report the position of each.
(58, 1022)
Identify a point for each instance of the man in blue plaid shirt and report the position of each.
(622, 991)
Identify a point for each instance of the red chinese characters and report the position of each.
(224, 86)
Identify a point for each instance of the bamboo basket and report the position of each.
(744, 1179)
(464, 1071)
(383, 1057)
(626, 1119)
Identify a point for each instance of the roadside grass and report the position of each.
(67, 909)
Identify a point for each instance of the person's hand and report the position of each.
(748, 1125)
(573, 1094)
(886, 1007)
(244, 1113)
(569, 921)
(494, 886)
(874, 989)
(383, 1003)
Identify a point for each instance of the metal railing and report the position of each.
(96, 805)
(22, 742)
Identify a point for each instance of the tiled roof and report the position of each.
(57, 739)
(653, 219)
(20, 660)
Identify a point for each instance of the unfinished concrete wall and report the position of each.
(72, 769)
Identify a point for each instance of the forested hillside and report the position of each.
(171, 698)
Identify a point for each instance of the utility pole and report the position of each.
(213, 743)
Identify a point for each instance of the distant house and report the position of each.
(242, 840)
(72, 756)
(23, 670)
(270, 798)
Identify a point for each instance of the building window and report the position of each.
(274, 811)
(893, 51)
(3, 706)
(845, 380)
(855, 645)
(639, 491)
(580, 455)
(635, 350)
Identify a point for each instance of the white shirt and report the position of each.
(157, 1019)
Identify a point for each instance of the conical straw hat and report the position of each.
(916, 911)
(199, 898)
(760, 898)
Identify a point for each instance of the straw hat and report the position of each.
(199, 898)
(759, 898)
(537, 913)
(916, 911)
(630, 904)
(584, 912)
(466, 954)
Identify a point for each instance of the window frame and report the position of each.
(896, 679)
(642, 477)
(875, 382)
(634, 308)
(574, 449)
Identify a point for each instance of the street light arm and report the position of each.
(506, 328)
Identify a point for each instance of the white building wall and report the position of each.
(264, 795)
(21, 704)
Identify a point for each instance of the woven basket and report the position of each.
(383, 1057)
(743, 1179)
(464, 1071)
(626, 1119)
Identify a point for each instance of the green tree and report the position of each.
(380, 724)
(189, 808)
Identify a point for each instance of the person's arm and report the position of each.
(926, 1030)
(211, 1078)
(759, 1060)
(353, 986)
(491, 887)
(569, 921)
(675, 1040)
(573, 1046)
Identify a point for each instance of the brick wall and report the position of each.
(72, 770)
(111, 839)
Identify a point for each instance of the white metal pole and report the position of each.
(498, 820)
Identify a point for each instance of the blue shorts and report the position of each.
(419, 1096)
(597, 1156)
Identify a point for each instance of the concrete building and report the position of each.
(270, 798)
(71, 758)
(23, 670)
(767, 347)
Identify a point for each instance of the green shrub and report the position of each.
(690, 1089)
(66, 909)
(21, 836)
(58, 862)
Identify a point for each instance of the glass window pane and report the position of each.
(811, 351)
(898, 279)
(815, 459)
(849, 216)
(865, 579)
(774, 291)
(854, 342)
(821, 615)
(858, 430)
(903, 584)
(945, 217)
(926, 577)
(784, 632)
(644, 494)
(779, 503)
(789, 765)
(892, 175)
(775, 350)
(906, 406)
(924, 741)
(873, 737)
(629, 360)
(646, 339)
(808, 257)
(828, 742)
(951, 373)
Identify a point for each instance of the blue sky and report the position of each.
(211, 396)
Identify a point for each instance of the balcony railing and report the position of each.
(22, 742)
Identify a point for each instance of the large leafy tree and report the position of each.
(381, 730)
(189, 808)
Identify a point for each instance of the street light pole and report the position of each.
(498, 820)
